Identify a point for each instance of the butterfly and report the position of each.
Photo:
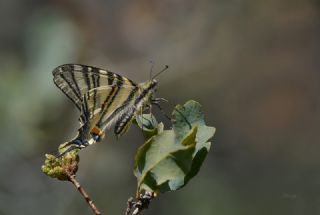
(103, 98)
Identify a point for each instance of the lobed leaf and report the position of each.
(170, 158)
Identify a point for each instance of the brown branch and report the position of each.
(73, 180)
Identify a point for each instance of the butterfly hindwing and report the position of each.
(106, 104)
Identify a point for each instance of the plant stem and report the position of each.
(141, 203)
(73, 180)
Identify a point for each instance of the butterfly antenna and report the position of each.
(164, 69)
(151, 69)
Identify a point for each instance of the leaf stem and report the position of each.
(94, 209)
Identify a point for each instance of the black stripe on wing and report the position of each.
(95, 82)
(75, 80)
(68, 89)
(110, 99)
(124, 106)
(85, 113)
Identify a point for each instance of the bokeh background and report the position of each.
(253, 65)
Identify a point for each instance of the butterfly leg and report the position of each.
(161, 110)
(157, 100)
(143, 118)
(141, 112)
(150, 112)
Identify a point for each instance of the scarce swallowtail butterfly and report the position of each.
(103, 99)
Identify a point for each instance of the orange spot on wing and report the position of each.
(97, 131)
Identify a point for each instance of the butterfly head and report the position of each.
(154, 84)
(147, 91)
(153, 89)
(149, 86)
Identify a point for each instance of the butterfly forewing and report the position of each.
(75, 80)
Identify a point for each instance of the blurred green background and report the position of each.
(253, 65)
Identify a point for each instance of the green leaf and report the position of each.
(161, 164)
(170, 158)
(185, 117)
(190, 114)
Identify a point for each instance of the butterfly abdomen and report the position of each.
(124, 122)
